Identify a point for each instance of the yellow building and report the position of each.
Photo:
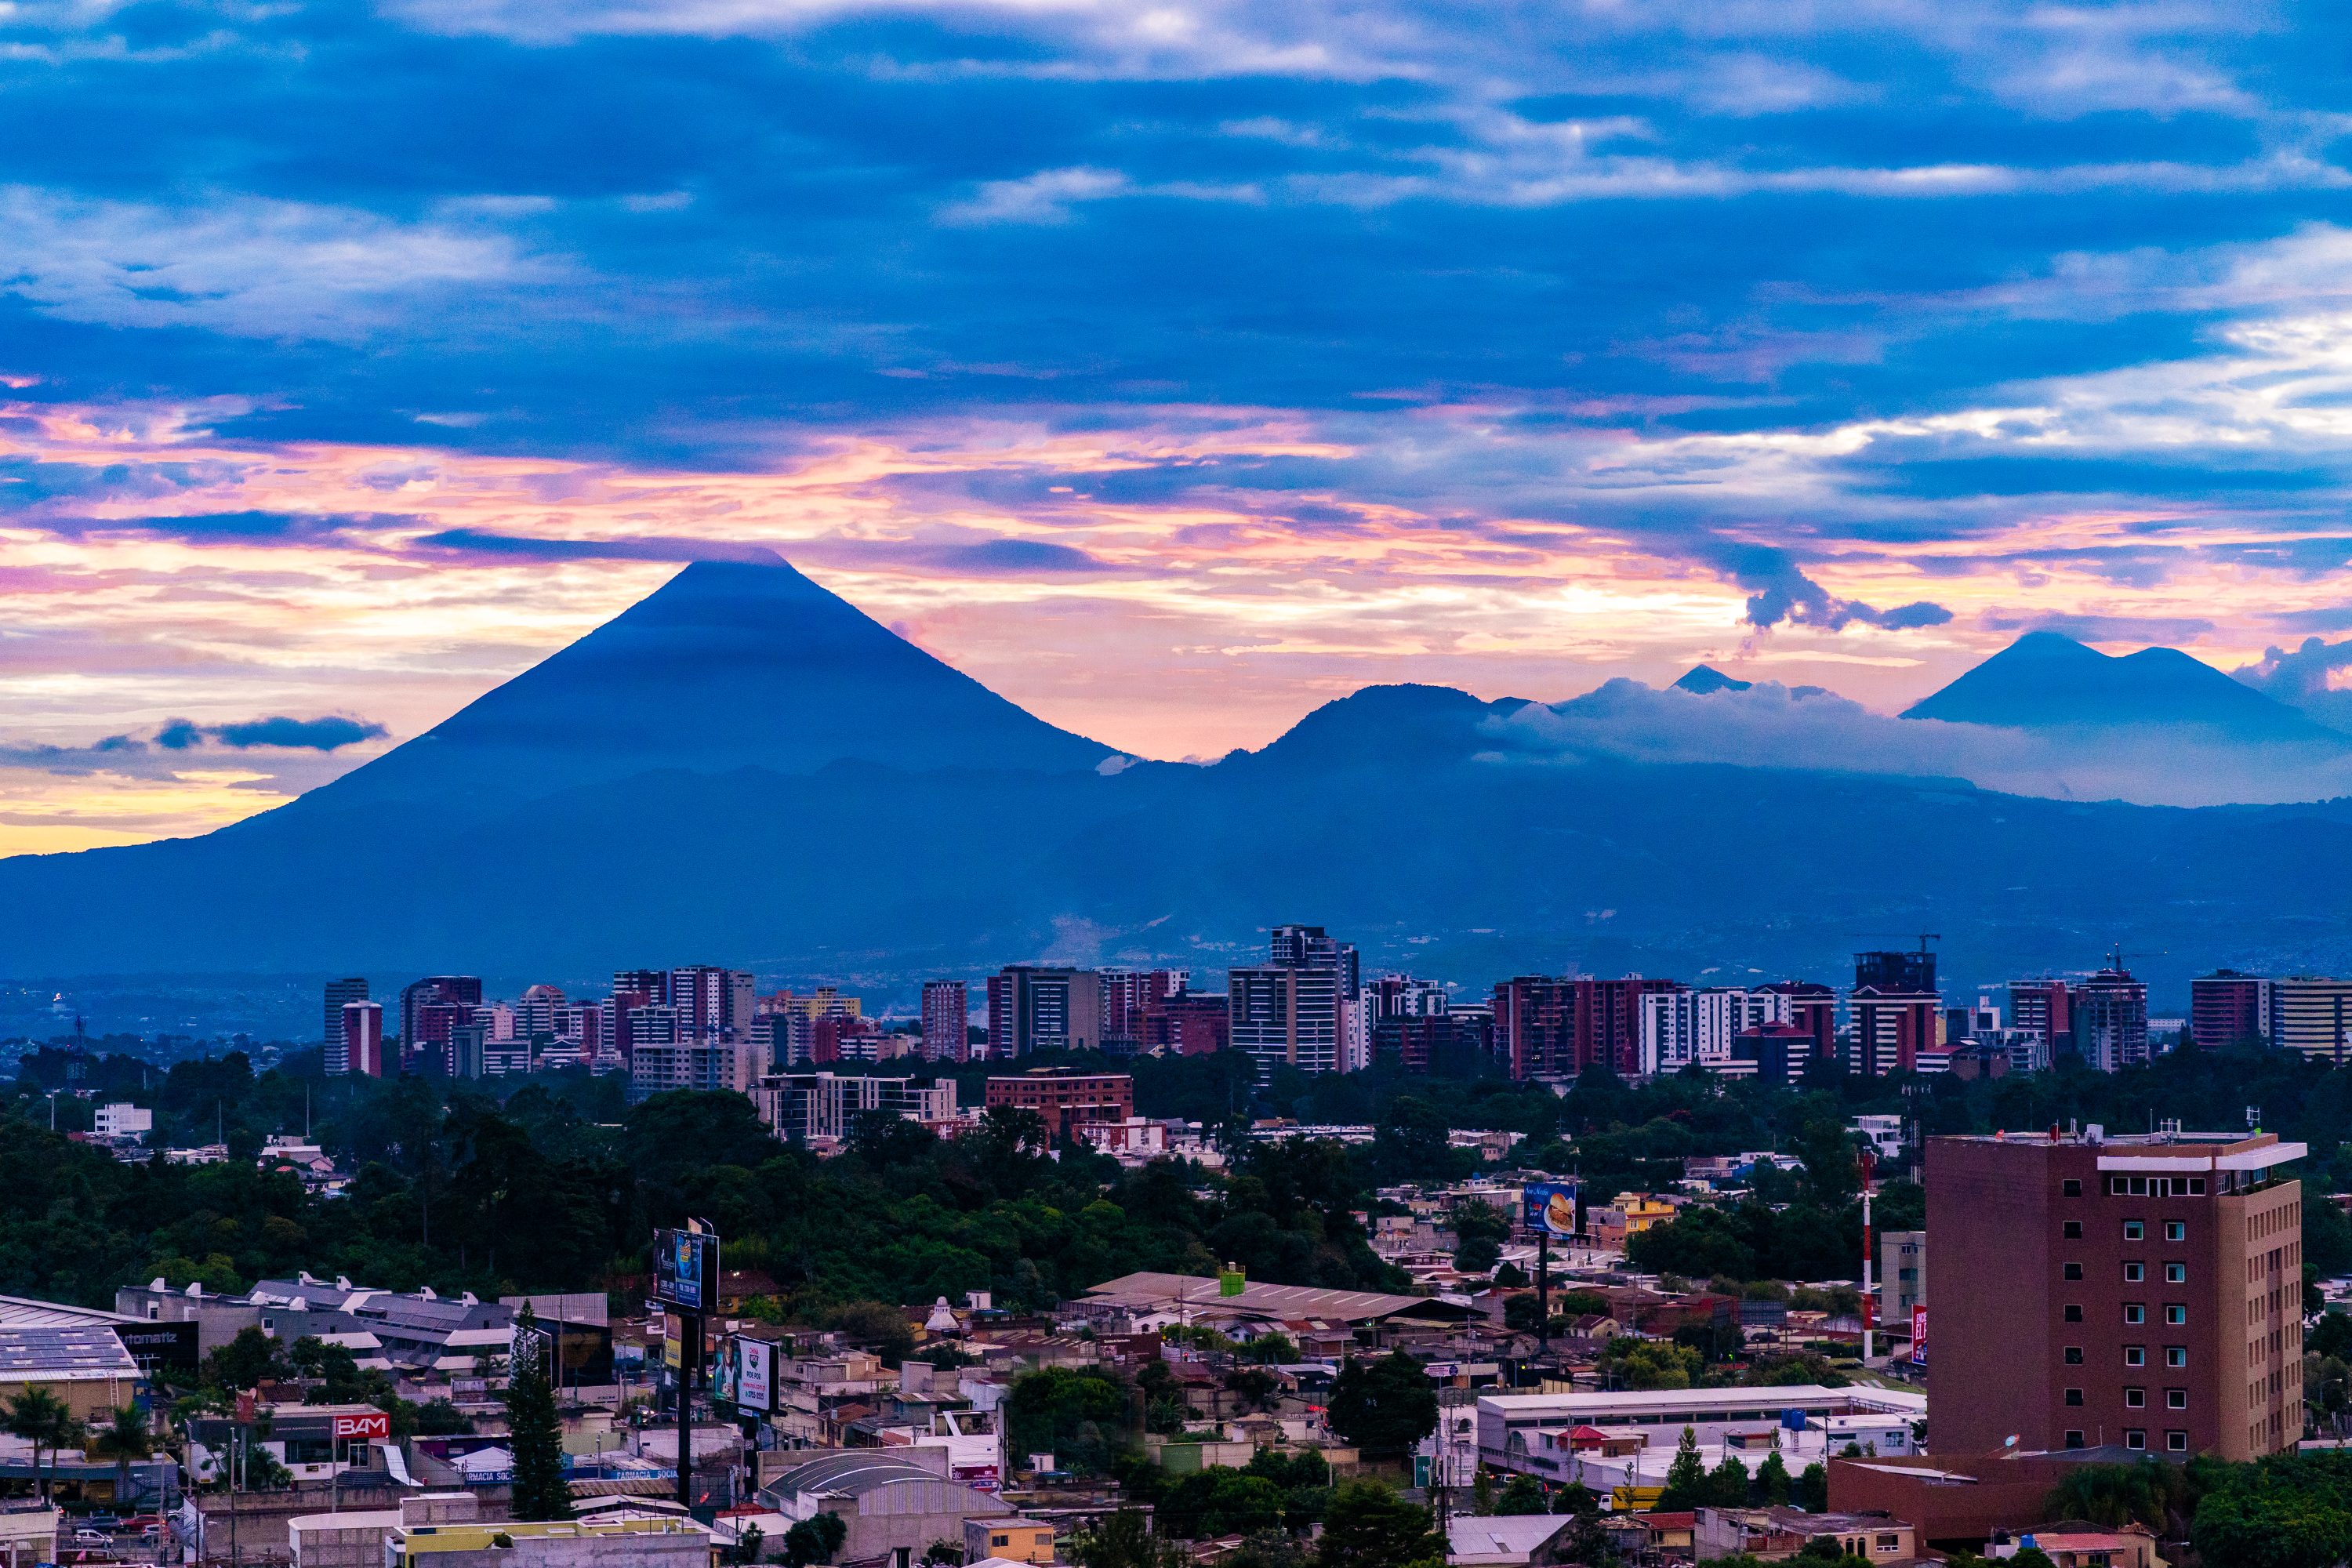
(1631, 1216)
(1010, 1540)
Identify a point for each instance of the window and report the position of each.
(2175, 1274)
(2135, 1312)
(2176, 1355)
(1888, 1543)
(2176, 1399)
(2073, 1396)
(2175, 1230)
(2135, 1398)
(2134, 1355)
(2135, 1231)
(2135, 1272)
(2177, 1440)
(2074, 1439)
(2176, 1313)
(2074, 1355)
(2074, 1311)
(2136, 1438)
(2073, 1189)
(2073, 1271)
(2073, 1230)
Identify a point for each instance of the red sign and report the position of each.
(374, 1423)
(1918, 1336)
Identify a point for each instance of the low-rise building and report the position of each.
(355, 1539)
(886, 1500)
(661, 1542)
(1014, 1539)
(1772, 1534)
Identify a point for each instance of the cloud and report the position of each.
(1775, 726)
(1783, 592)
(244, 265)
(1046, 196)
(328, 734)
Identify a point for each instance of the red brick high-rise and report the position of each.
(2143, 1291)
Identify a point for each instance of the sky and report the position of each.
(1171, 366)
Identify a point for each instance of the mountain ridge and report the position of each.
(2045, 679)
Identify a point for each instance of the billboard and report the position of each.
(1920, 1336)
(1549, 1208)
(755, 1375)
(686, 1269)
(722, 1371)
(372, 1424)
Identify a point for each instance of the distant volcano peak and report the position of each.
(2046, 679)
(734, 663)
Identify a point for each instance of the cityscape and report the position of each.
(1175, 783)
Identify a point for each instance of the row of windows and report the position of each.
(2136, 1273)
(2136, 1398)
(2134, 1230)
(2152, 1187)
(2174, 1441)
(2133, 1355)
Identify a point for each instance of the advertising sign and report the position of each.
(1549, 1208)
(1920, 1336)
(373, 1424)
(755, 1375)
(686, 1269)
(722, 1371)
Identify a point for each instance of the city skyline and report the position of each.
(1218, 361)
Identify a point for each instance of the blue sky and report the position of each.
(1171, 366)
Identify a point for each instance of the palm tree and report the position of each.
(127, 1439)
(42, 1419)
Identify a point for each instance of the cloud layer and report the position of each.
(1171, 366)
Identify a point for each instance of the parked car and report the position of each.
(92, 1538)
(102, 1522)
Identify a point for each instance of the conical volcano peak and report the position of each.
(731, 664)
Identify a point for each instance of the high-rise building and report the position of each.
(1301, 1008)
(1186, 1023)
(1535, 1027)
(2143, 1291)
(1812, 1006)
(331, 1023)
(1032, 1008)
(712, 1003)
(362, 1048)
(1413, 1042)
(2313, 1014)
(429, 1009)
(809, 1107)
(2227, 1008)
(1683, 1028)
(2110, 1014)
(2043, 1005)
(1557, 1029)
(1127, 998)
(947, 1022)
(1895, 1009)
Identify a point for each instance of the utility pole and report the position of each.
(1869, 1297)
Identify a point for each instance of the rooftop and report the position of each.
(1171, 1292)
(67, 1353)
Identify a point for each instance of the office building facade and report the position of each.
(330, 1023)
(2110, 1019)
(947, 1022)
(2313, 1014)
(1035, 1007)
(2227, 1008)
(1301, 1008)
(2142, 1291)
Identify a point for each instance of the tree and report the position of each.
(536, 1432)
(41, 1419)
(1255, 1389)
(127, 1439)
(1523, 1494)
(944, 1554)
(245, 1361)
(1686, 1482)
(1371, 1527)
(1772, 1480)
(1383, 1407)
(1728, 1484)
(814, 1540)
(1085, 1420)
(748, 1546)
(1811, 1492)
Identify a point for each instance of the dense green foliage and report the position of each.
(1383, 1406)
(535, 1433)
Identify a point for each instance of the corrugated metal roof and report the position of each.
(1168, 1291)
(23, 1312)
(849, 1473)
